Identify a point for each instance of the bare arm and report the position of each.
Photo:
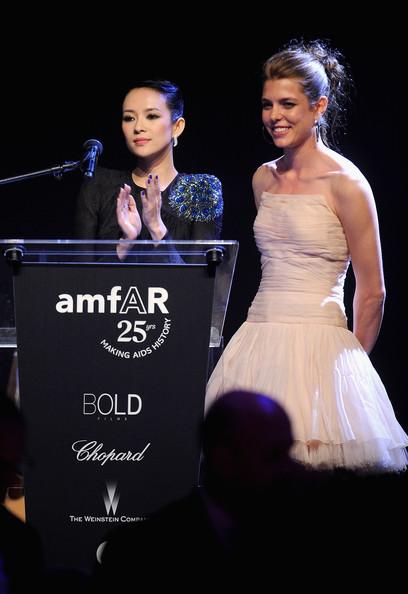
(261, 180)
(358, 214)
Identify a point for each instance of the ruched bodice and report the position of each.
(304, 257)
(295, 345)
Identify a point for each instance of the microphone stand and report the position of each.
(56, 171)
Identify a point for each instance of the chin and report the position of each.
(280, 143)
(140, 153)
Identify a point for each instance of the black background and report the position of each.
(64, 82)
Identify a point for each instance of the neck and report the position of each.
(161, 165)
(301, 157)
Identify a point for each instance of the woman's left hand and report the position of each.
(151, 205)
(127, 214)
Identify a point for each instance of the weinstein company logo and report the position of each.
(143, 327)
(111, 498)
(92, 451)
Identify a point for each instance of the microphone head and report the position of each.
(93, 149)
(93, 143)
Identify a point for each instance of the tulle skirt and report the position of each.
(340, 411)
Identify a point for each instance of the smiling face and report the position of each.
(287, 114)
(147, 123)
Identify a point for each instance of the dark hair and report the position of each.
(172, 93)
(236, 414)
(321, 72)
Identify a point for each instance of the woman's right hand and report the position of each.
(127, 214)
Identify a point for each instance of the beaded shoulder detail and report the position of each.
(197, 197)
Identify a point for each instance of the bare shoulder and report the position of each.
(355, 206)
(356, 210)
(348, 185)
(263, 178)
(264, 173)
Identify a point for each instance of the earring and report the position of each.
(175, 141)
(266, 136)
(317, 124)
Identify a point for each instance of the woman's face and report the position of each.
(146, 122)
(286, 112)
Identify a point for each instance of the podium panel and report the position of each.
(113, 366)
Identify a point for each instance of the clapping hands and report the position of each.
(128, 216)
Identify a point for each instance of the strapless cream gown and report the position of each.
(295, 345)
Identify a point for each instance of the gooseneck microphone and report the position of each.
(93, 149)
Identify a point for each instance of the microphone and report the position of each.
(93, 149)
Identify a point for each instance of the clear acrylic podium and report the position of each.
(113, 364)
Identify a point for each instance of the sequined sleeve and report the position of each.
(197, 198)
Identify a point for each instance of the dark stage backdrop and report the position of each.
(68, 87)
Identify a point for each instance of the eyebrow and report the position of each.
(148, 109)
(281, 99)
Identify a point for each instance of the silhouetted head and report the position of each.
(246, 441)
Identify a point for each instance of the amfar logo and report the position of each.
(111, 498)
(86, 303)
(130, 337)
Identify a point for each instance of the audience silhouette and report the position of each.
(212, 535)
(255, 511)
(21, 552)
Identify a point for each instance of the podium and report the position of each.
(113, 363)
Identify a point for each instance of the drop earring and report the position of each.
(175, 141)
(317, 124)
